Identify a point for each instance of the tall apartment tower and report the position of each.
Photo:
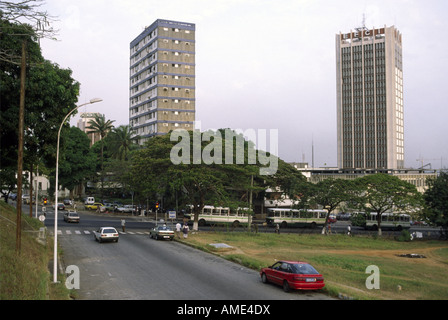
(370, 99)
(162, 79)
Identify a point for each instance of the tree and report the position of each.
(77, 161)
(101, 126)
(330, 193)
(121, 142)
(436, 202)
(382, 193)
(14, 30)
(202, 172)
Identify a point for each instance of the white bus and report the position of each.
(388, 221)
(219, 215)
(296, 217)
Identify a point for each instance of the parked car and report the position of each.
(109, 206)
(161, 232)
(60, 206)
(126, 208)
(95, 206)
(331, 218)
(68, 202)
(106, 234)
(71, 216)
(295, 275)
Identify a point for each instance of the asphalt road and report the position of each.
(140, 268)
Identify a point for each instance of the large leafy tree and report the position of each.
(330, 193)
(78, 160)
(382, 193)
(51, 93)
(200, 180)
(436, 201)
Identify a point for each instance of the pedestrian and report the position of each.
(178, 227)
(277, 228)
(123, 225)
(185, 230)
(349, 230)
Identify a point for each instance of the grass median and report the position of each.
(343, 261)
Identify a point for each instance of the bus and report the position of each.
(388, 221)
(220, 215)
(295, 217)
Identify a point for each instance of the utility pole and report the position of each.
(20, 150)
(249, 216)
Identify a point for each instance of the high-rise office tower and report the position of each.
(162, 79)
(370, 99)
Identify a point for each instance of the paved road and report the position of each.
(137, 267)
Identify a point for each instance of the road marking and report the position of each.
(86, 232)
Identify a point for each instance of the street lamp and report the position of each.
(55, 255)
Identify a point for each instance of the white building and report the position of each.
(370, 110)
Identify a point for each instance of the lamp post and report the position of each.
(55, 256)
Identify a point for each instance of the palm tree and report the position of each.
(121, 141)
(101, 126)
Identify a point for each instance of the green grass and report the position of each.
(24, 276)
(343, 261)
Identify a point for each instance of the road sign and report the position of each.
(41, 218)
(172, 214)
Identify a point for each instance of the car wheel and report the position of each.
(286, 287)
(264, 279)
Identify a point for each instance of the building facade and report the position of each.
(162, 79)
(370, 110)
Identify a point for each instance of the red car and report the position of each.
(293, 275)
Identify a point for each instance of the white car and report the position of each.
(126, 208)
(71, 216)
(106, 234)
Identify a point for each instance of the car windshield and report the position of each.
(72, 214)
(163, 228)
(303, 268)
(109, 231)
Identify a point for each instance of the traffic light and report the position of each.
(157, 205)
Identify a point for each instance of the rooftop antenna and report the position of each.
(363, 24)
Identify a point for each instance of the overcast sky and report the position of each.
(263, 64)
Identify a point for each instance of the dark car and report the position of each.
(60, 206)
(295, 275)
